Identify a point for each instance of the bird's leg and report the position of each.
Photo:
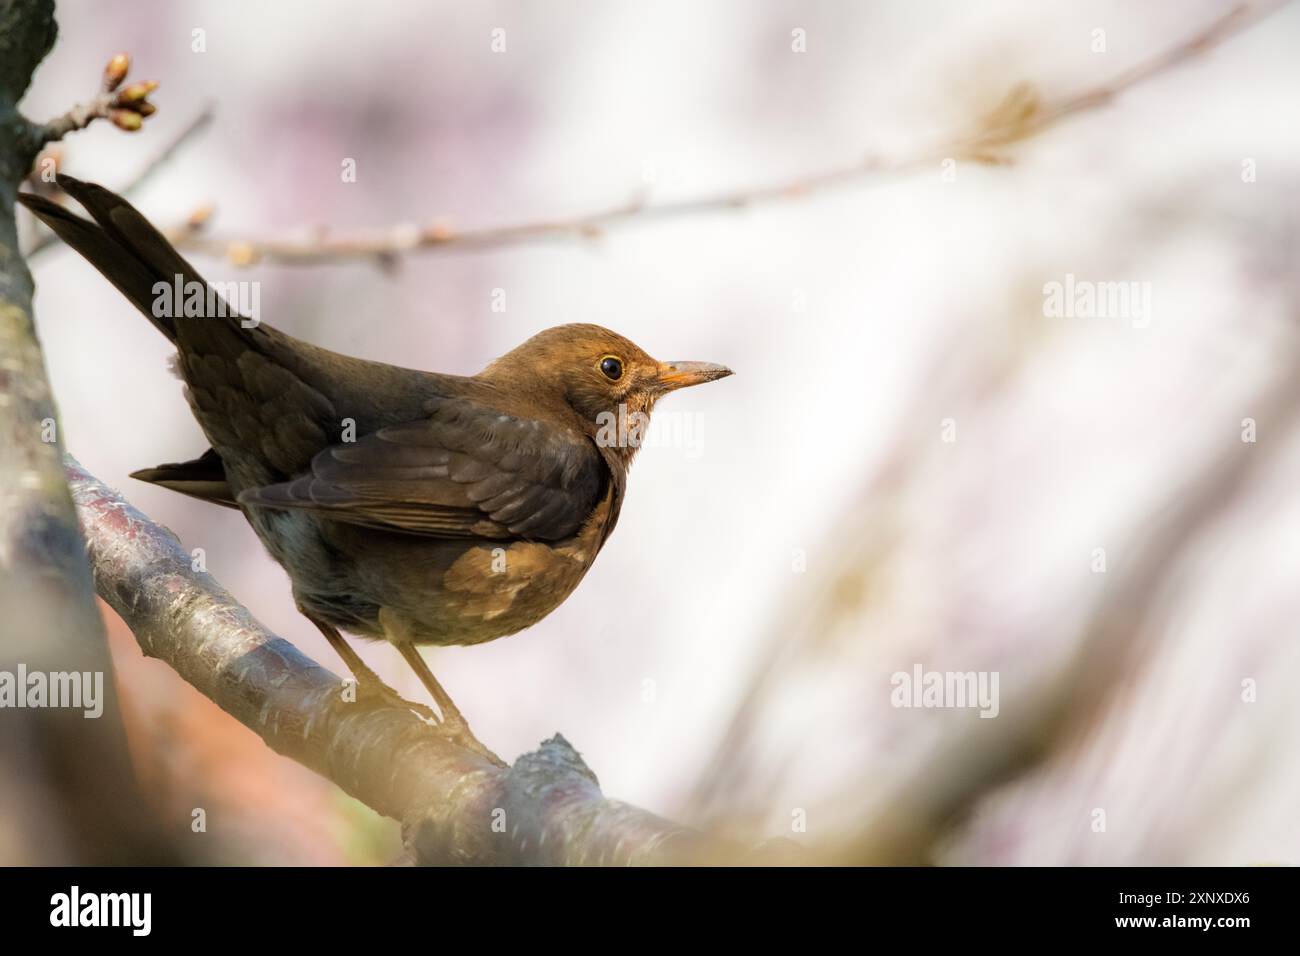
(367, 679)
(344, 650)
(450, 712)
(452, 719)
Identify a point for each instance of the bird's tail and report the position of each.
(122, 245)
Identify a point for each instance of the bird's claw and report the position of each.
(372, 688)
(451, 727)
(455, 730)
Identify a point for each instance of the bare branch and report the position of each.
(455, 806)
(77, 118)
(127, 107)
(1019, 117)
(201, 121)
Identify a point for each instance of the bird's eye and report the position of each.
(612, 368)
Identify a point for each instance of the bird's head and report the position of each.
(604, 378)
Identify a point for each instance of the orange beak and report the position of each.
(674, 375)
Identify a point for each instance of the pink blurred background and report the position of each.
(857, 320)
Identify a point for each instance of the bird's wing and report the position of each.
(466, 470)
(203, 478)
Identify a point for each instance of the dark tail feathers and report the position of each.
(120, 243)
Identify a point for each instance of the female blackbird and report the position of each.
(411, 506)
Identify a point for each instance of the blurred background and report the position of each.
(915, 464)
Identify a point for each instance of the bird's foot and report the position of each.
(454, 728)
(451, 726)
(370, 688)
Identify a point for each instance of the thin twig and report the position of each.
(200, 122)
(193, 128)
(1019, 117)
(127, 107)
(77, 118)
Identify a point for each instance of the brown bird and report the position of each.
(410, 506)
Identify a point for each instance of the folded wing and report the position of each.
(465, 471)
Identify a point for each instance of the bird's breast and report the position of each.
(481, 590)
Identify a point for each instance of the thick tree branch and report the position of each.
(454, 806)
(1019, 117)
(84, 803)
